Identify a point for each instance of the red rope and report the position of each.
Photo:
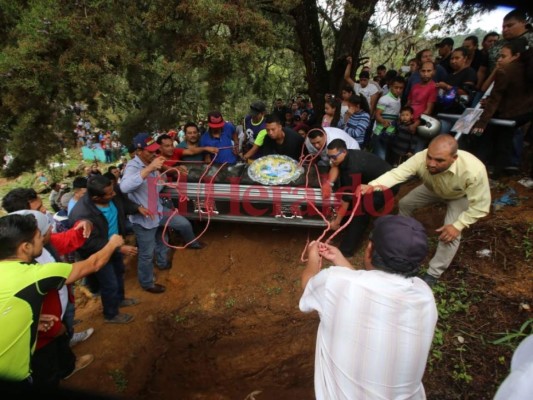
(328, 224)
(185, 198)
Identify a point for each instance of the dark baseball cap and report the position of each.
(215, 120)
(445, 42)
(257, 107)
(144, 141)
(401, 242)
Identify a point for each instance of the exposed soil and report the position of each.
(229, 326)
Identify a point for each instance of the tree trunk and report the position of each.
(349, 40)
(308, 30)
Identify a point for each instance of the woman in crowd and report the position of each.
(357, 119)
(457, 90)
(332, 112)
(346, 93)
(511, 98)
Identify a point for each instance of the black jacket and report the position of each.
(361, 167)
(86, 209)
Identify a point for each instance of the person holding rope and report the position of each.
(377, 323)
(174, 155)
(107, 212)
(223, 136)
(23, 286)
(140, 184)
(316, 144)
(448, 175)
(276, 139)
(357, 167)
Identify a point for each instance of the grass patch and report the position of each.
(119, 379)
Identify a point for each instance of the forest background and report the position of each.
(142, 65)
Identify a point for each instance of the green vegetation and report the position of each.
(273, 290)
(62, 173)
(451, 302)
(165, 62)
(230, 302)
(527, 244)
(180, 319)
(119, 378)
(513, 339)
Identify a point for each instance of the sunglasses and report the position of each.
(335, 156)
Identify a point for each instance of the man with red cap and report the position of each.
(222, 135)
(139, 182)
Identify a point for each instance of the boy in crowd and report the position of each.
(387, 112)
(405, 143)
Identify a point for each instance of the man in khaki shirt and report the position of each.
(448, 175)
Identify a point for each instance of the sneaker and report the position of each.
(527, 182)
(81, 362)
(120, 319)
(430, 280)
(81, 336)
(128, 302)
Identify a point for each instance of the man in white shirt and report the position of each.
(364, 86)
(318, 139)
(377, 324)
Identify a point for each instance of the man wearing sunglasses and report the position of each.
(357, 167)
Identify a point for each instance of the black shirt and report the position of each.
(445, 62)
(458, 79)
(280, 113)
(480, 60)
(291, 146)
(360, 167)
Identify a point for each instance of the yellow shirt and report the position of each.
(467, 176)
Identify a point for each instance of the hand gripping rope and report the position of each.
(310, 158)
(209, 208)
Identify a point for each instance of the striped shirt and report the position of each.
(390, 108)
(356, 126)
(374, 336)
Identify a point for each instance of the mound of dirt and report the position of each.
(229, 327)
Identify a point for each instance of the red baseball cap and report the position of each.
(144, 141)
(215, 120)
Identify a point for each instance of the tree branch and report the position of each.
(329, 21)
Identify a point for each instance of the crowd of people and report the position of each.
(368, 137)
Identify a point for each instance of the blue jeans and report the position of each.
(68, 316)
(179, 224)
(446, 125)
(518, 148)
(148, 241)
(380, 144)
(111, 279)
(108, 156)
